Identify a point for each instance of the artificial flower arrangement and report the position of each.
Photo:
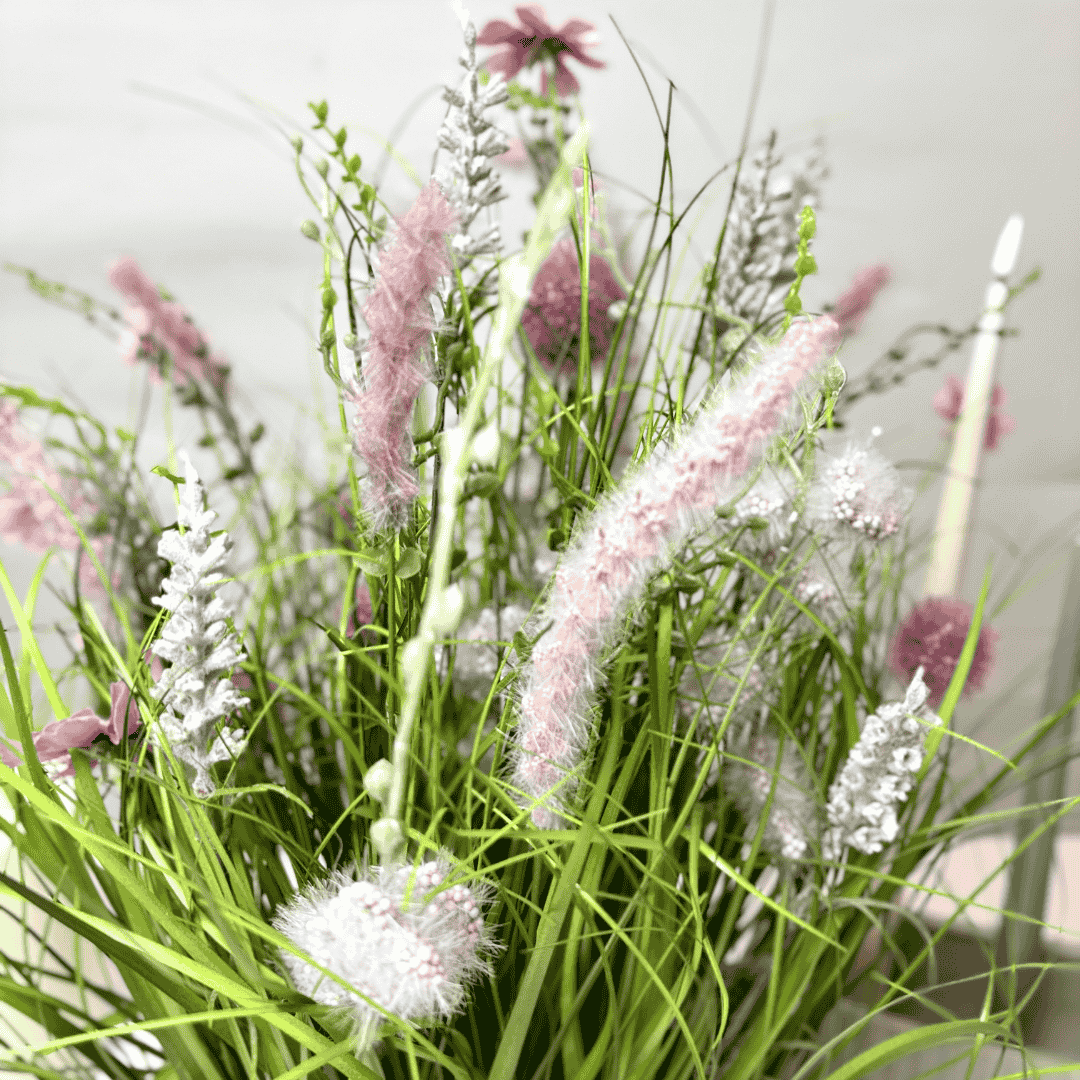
(571, 730)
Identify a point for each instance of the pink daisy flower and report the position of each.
(536, 40)
(932, 637)
(949, 403)
(853, 305)
(552, 317)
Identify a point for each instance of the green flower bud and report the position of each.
(387, 837)
(835, 377)
(310, 229)
(377, 780)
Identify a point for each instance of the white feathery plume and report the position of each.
(409, 952)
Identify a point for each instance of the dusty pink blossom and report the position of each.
(54, 741)
(161, 329)
(361, 614)
(29, 515)
(536, 40)
(932, 637)
(949, 403)
(515, 157)
(620, 544)
(552, 317)
(399, 318)
(853, 304)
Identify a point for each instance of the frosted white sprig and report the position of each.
(465, 172)
(196, 690)
(878, 775)
(396, 934)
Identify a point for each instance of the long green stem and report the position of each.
(438, 615)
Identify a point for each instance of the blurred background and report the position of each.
(159, 129)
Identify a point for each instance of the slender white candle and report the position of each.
(950, 534)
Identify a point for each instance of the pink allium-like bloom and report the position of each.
(399, 318)
(552, 317)
(617, 547)
(932, 637)
(535, 39)
(515, 157)
(949, 403)
(412, 956)
(29, 515)
(853, 304)
(159, 329)
(54, 741)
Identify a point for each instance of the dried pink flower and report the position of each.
(552, 317)
(932, 637)
(949, 403)
(515, 157)
(54, 741)
(361, 613)
(623, 541)
(399, 318)
(29, 514)
(535, 40)
(861, 293)
(161, 329)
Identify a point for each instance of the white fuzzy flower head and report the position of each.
(196, 690)
(710, 687)
(879, 774)
(766, 501)
(476, 662)
(396, 934)
(859, 492)
(792, 822)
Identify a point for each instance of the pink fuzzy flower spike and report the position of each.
(536, 39)
(398, 315)
(623, 542)
(29, 514)
(932, 637)
(949, 403)
(853, 305)
(161, 330)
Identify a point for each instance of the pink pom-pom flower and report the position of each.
(932, 637)
(552, 317)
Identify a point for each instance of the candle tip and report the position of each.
(1008, 246)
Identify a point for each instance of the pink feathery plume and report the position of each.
(158, 329)
(54, 741)
(399, 318)
(29, 515)
(623, 542)
(852, 305)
